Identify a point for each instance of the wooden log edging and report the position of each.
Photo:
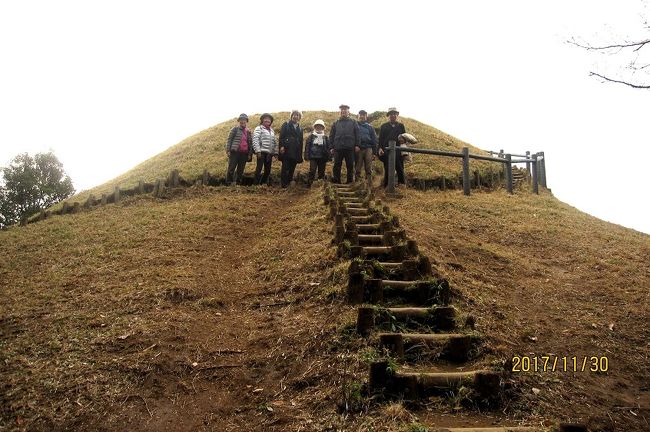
(156, 188)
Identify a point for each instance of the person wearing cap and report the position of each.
(344, 136)
(239, 148)
(367, 149)
(317, 150)
(291, 142)
(265, 147)
(390, 131)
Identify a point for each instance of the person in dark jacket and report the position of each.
(390, 131)
(317, 151)
(291, 142)
(365, 153)
(239, 148)
(344, 137)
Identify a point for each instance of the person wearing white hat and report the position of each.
(317, 151)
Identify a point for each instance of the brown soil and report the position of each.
(221, 310)
(544, 279)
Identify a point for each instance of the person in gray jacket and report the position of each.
(239, 148)
(265, 147)
(344, 137)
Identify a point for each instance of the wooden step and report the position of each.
(350, 194)
(368, 228)
(377, 291)
(358, 211)
(561, 428)
(495, 429)
(369, 239)
(412, 385)
(350, 205)
(454, 347)
(360, 219)
(437, 317)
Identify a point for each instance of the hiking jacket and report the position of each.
(313, 151)
(264, 141)
(367, 136)
(344, 134)
(234, 140)
(291, 140)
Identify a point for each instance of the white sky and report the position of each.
(109, 84)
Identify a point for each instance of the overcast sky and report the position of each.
(108, 84)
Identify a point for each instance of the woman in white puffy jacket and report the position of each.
(265, 147)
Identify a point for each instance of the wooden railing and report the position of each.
(536, 165)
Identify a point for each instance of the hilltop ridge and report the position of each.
(204, 151)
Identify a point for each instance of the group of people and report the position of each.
(349, 140)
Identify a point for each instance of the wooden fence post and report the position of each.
(534, 176)
(542, 169)
(173, 178)
(509, 173)
(141, 187)
(444, 183)
(104, 199)
(156, 188)
(116, 194)
(466, 185)
(477, 179)
(206, 177)
(528, 165)
(391, 167)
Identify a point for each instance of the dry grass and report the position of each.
(546, 279)
(172, 313)
(205, 150)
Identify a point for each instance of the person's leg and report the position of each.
(367, 161)
(258, 170)
(349, 165)
(292, 169)
(321, 168)
(232, 163)
(336, 171)
(358, 161)
(284, 173)
(399, 166)
(241, 166)
(268, 160)
(313, 165)
(385, 161)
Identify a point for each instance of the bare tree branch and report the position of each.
(636, 86)
(638, 45)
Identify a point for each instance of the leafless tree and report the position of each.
(628, 55)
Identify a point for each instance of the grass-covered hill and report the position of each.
(205, 150)
(223, 309)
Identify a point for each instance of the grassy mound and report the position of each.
(222, 309)
(205, 150)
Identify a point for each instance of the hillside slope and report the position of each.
(222, 309)
(205, 150)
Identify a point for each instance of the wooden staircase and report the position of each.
(404, 309)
